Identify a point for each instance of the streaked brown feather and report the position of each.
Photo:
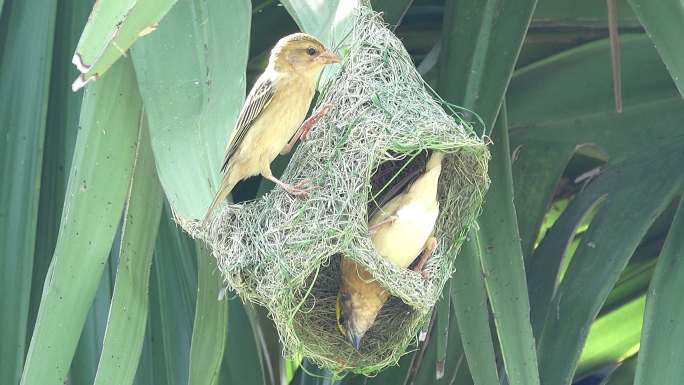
(257, 100)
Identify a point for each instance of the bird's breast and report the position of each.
(401, 241)
(285, 113)
(278, 122)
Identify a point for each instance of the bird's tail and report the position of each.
(226, 187)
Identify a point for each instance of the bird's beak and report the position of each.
(329, 57)
(354, 339)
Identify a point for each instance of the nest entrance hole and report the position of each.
(317, 323)
(316, 319)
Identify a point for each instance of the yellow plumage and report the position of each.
(401, 231)
(272, 113)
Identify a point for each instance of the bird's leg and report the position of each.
(428, 250)
(373, 229)
(313, 119)
(305, 128)
(296, 189)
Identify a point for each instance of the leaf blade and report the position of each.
(60, 137)
(475, 72)
(128, 313)
(662, 20)
(660, 334)
(98, 184)
(28, 44)
(503, 266)
(191, 100)
(175, 275)
(614, 234)
(613, 336)
(210, 325)
(241, 360)
(113, 26)
(469, 297)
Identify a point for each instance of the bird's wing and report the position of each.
(387, 210)
(257, 100)
(392, 178)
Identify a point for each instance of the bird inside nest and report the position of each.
(402, 217)
(393, 175)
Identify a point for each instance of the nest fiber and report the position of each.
(283, 252)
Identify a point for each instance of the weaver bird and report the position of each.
(401, 231)
(273, 112)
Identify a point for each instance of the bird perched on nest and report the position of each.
(273, 112)
(400, 230)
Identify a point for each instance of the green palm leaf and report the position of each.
(27, 34)
(113, 26)
(192, 99)
(98, 185)
(662, 334)
(127, 321)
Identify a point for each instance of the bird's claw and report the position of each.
(298, 189)
(302, 183)
(430, 248)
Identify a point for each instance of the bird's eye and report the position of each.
(311, 51)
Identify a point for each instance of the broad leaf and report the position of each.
(663, 331)
(469, 297)
(175, 271)
(127, 322)
(613, 336)
(98, 184)
(613, 235)
(113, 26)
(192, 81)
(241, 360)
(503, 266)
(481, 41)
(24, 86)
(623, 374)
(64, 107)
(663, 22)
(211, 322)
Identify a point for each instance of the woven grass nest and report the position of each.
(283, 252)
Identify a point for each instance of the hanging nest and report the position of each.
(284, 252)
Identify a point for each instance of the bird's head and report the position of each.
(301, 53)
(347, 320)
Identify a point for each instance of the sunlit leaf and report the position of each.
(127, 322)
(98, 184)
(191, 72)
(113, 26)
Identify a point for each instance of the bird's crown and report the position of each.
(296, 39)
(299, 36)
